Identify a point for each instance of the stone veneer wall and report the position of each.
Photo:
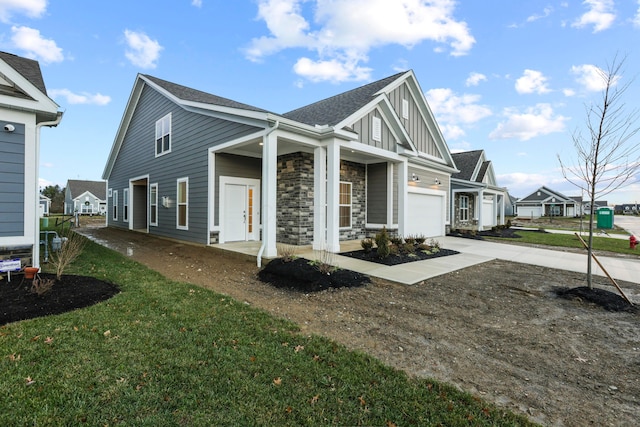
(355, 173)
(472, 222)
(295, 199)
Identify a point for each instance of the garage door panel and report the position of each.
(425, 215)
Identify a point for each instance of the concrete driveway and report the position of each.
(630, 223)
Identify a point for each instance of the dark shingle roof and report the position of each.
(28, 68)
(483, 170)
(97, 188)
(333, 110)
(466, 162)
(188, 94)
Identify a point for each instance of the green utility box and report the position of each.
(605, 217)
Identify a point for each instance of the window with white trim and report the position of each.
(464, 208)
(182, 205)
(405, 109)
(114, 203)
(125, 205)
(376, 129)
(345, 204)
(153, 204)
(163, 135)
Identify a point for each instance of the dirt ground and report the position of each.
(496, 330)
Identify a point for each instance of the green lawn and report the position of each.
(571, 241)
(169, 353)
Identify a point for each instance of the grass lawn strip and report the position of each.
(167, 353)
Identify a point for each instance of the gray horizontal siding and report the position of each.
(12, 182)
(191, 136)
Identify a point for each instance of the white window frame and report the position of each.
(179, 204)
(163, 129)
(114, 205)
(125, 205)
(376, 129)
(405, 109)
(343, 205)
(153, 203)
(464, 208)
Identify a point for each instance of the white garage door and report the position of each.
(529, 212)
(425, 215)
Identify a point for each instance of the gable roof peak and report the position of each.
(331, 111)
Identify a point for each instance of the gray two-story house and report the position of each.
(193, 166)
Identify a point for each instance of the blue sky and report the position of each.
(510, 77)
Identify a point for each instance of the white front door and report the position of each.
(240, 216)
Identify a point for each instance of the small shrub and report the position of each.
(420, 239)
(324, 261)
(286, 252)
(72, 246)
(508, 224)
(393, 251)
(396, 240)
(382, 242)
(41, 286)
(410, 240)
(367, 245)
(434, 244)
(409, 248)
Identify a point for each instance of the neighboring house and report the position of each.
(510, 206)
(85, 197)
(586, 205)
(627, 209)
(547, 202)
(24, 109)
(478, 202)
(193, 166)
(45, 205)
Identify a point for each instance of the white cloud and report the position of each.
(453, 111)
(532, 81)
(331, 70)
(30, 8)
(636, 19)
(35, 46)
(474, 79)
(80, 98)
(568, 92)
(545, 13)
(196, 3)
(522, 184)
(534, 121)
(346, 30)
(601, 15)
(142, 51)
(592, 78)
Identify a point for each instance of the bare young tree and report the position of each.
(608, 148)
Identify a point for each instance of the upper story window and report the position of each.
(376, 131)
(163, 135)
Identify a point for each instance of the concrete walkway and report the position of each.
(474, 252)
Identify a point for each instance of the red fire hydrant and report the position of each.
(633, 242)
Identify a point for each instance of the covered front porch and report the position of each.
(477, 207)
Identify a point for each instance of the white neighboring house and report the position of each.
(45, 205)
(85, 197)
(547, 202)
(24, 109)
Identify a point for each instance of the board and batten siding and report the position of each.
(191, 136)
(12, 182)
(234, 166)
(414, 125)
(364, 128)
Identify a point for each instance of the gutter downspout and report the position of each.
(36, 246)
(263, 245)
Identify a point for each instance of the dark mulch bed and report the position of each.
(18, 302)
(480, 235)
(608, 300)
(399, 258)
(302, 275)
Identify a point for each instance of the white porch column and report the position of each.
(403, 197)
(319, 198)
(269, 190)
(333, 197)
(479, 209)
(502, 207)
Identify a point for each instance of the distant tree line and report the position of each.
(56, 194)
